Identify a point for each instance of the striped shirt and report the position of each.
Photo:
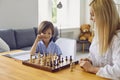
(52, 48)
(109, 63)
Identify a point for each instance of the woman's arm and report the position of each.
(112, 71)
(87, 66)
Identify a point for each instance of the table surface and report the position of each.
(11, 69)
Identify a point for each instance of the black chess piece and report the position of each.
(59, 59)
(66, 59)
(51, 64)
(62, 60)
(70, 58)
(54, 62)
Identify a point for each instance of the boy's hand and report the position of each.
(42, 36)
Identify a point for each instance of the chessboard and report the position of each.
(51, 63)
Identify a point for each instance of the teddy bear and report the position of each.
(85, 33)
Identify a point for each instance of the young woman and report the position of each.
(104, 56)
(43, 42)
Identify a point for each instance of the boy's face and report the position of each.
(48, 35)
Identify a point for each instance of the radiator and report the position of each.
(70, 33)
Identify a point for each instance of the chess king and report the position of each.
(43, 43)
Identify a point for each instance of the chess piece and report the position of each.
(38, 60)
(70, 59)
(59, 59)
(38, 55)
(62, 60)
(66, 59)
(54, 61)
(30, 58)
(55, 56)
(71, 67)
(57, 63)
(48, 58)
(51, 63)
(42, 61)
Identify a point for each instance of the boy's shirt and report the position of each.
(52, 48)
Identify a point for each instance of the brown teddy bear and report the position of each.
(85, 33)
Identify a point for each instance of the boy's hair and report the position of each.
(44, 26)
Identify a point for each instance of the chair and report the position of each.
(56, 33)
(83, 45)
(67, 46)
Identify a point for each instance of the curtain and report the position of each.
(69, 14)
(44, 10)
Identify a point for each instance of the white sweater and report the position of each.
(109, 63)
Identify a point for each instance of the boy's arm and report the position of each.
(33, 48)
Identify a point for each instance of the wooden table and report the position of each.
(11, 69)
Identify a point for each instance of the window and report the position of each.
(118, 5)
(66, 17)
(54, 11)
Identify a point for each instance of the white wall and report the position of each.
(44, 10)
(84, 12)
(87, 11)
(18, 14)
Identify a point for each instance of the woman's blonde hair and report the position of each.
(107, 21)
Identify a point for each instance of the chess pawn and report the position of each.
(41, 60)
(37, 61)
(38, 55)
(44, 59)
(71, 67)
(59, 59)
(56, 57)
(42, 63)
(48, 60)
(66, 58)
(62, 60)
(70, 59)
(30, 58)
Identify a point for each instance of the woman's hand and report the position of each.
(86, 59)
(87, 66)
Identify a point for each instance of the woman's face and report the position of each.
(48, 35)
(92, 16)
